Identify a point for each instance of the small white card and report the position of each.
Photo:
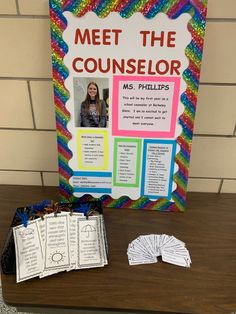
(29, 253)
(90, 253)
(146, 248)
(73, 239)
(103, 239)
(57, 247)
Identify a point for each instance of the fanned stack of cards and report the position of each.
(146, 248)
(61, 242)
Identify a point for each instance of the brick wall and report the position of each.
(27, 122)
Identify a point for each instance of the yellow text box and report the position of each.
(93, 150)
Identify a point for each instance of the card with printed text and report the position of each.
(59, 242)
(146, 248)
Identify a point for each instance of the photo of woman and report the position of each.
(93, 109)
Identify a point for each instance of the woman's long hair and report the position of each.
(97, 100)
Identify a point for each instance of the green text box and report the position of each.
(127, 142)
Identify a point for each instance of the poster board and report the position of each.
(144, 58)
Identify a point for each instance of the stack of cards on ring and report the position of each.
(59, 241)
(146, 248)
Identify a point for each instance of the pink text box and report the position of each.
(145, 106)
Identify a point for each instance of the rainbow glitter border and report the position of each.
(196, 26)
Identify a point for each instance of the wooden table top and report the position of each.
(208, 227)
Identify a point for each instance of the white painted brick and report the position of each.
(28, 150)
(8, 7)
(203, 185)
(219, 62)
(216, 110)
(221, 9)
(20, 178)
(229, 186)
(50, 179)
(43, 104)
(34, 7)
(15, 109)
(213, 157)
(25, 48)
